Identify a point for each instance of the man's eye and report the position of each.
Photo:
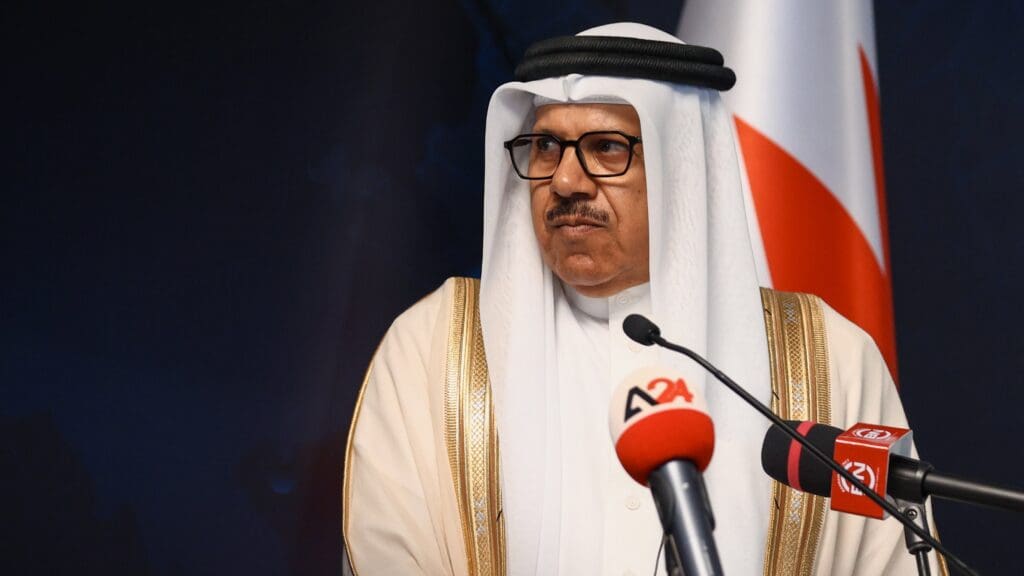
(546, 144)
(611, 147)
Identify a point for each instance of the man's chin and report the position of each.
(596, 284)
(588, 284)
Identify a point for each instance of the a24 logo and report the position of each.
(658, 391)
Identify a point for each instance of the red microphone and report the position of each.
(865, 450)
(654, 419)
(905, 478)
(664, 438)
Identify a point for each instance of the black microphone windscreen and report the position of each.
(640, 329)
(811, 476)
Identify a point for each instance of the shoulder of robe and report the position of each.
(417, 323)
(848, 342)
(859, 372)
(852, 336)
(389, 466)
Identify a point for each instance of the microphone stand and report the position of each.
(916, 546)
(641, 330)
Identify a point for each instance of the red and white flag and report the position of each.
(806, 114)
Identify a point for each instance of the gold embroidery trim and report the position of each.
(346, 484)
(943, 567)
(798, 354)
(470, 435)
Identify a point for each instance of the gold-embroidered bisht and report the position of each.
(800, 391)
(794, 324)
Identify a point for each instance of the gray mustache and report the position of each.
(576, 207)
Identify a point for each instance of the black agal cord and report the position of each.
(626, 57)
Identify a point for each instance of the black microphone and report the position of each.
(909, 480)
(665, 440)
(642, 331)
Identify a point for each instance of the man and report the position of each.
(605, 195)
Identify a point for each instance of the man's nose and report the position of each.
(570, 179)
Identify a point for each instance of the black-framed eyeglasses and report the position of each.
(601, 154)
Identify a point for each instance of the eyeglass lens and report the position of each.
(604, 154)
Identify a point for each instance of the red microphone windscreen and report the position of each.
(656, 418)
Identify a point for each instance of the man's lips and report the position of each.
(576, 222)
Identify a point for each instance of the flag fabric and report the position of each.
(806, 114)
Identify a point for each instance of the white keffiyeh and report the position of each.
(703, 292)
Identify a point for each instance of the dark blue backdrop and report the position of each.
(211, 213)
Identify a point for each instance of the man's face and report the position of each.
(592, 231)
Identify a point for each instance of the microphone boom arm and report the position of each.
(919, 480)
(654, 336)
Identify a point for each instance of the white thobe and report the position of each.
(401, 511)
